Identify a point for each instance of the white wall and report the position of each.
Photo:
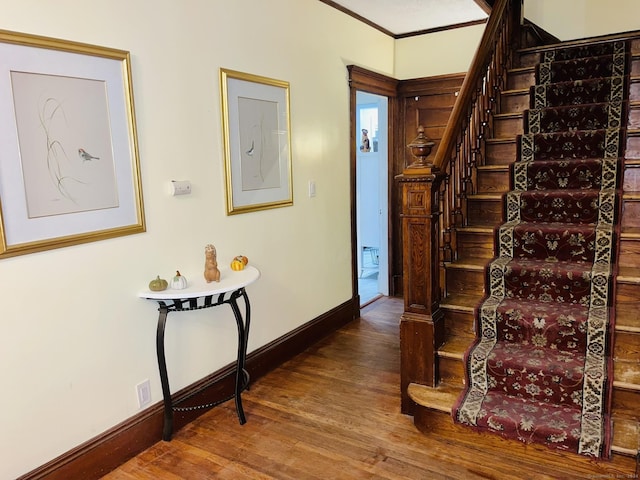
(574, 19)
(75, 338)
(439, 53)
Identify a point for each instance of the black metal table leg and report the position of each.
(243, 335)
(164, 378)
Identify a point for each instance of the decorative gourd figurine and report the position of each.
(211, 272)
(238, 263)
(179, 281)
(158, 284)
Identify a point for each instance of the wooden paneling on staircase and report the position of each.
(462, 287)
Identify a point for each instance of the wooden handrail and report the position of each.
(468, 89)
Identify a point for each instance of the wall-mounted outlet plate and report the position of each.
(143, 391)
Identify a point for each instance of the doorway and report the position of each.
(372, 196)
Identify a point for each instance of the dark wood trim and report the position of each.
(98, 456)
(485, 6)
(368, 81)
(441, 29)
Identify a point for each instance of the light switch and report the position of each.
(312, 188)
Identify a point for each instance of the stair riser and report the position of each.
(514, 102)
(493, 181)
(507, 127)
(625, 402)
(633, 120)
(519, 80)
(475, 245)
(630, 213)
(458, 324)
(469, 282)
(629, 251)
(627, 347)
(485, 212)
(633, 147)
(528, 59)
(503, 153)
(451, 370)
(631, 181)
(627, 305)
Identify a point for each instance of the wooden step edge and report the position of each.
(485, 196)
(475, 229)
(634, 387)
(474, 264)
(579, 42)
(628, 452)
(633, 196)
(439, 398)
(527, 69)
(630, 233)
(627, 329)
(512, 115)
(631, 162)
(500, 140)
(494, 168)
(628, 278)
(633, 132)
(515, 91)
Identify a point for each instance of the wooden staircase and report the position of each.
(464, 275)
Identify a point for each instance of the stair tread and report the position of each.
(507, 115)
(475, 229)
(439, 398)
(455, 347)
(495, 168)
(460, 301)
(485, 196)
(469, 264)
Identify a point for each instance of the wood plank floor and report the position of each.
(333, 412)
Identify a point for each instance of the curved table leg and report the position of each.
(164, 378)
(242, 377)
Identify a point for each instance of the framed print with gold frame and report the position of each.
(69, 167)
(257, 142)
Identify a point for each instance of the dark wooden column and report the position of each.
(422, 323)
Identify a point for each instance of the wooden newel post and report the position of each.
(421, 324)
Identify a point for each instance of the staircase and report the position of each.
(464, 284)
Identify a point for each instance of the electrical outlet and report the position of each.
(143, 390)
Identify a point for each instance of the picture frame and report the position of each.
(257, 142)
(69, 166)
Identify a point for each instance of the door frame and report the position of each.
(364, 80)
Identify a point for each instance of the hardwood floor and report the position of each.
(333, 412)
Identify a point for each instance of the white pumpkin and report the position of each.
(178, 282)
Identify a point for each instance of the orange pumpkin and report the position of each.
(237, 265)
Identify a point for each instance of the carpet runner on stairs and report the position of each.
(539, 370)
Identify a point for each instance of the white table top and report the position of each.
(230, 280)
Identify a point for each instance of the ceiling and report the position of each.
(403, 18)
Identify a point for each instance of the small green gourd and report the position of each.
(158, 284)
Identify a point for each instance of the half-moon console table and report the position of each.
(196, 296)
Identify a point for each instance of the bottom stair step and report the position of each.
(433, 416)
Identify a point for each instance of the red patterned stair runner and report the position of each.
(539, 369)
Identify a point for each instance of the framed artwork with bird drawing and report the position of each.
(69, 172)
(257, 141)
